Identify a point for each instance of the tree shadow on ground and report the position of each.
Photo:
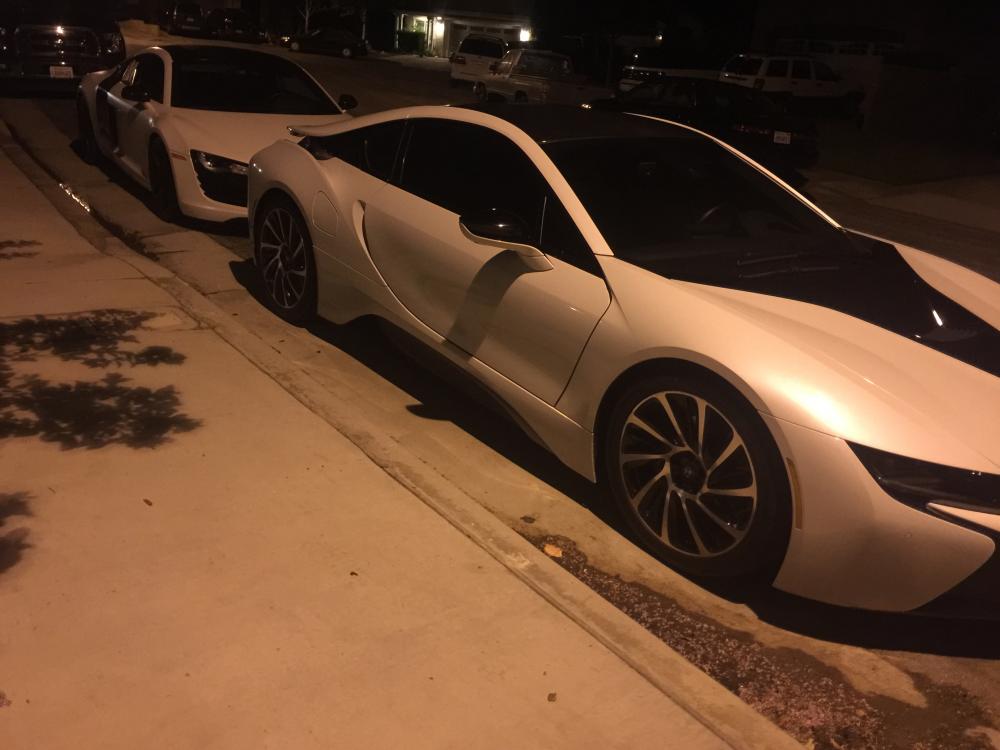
(87, 414)
(12, 254)
(13, 542)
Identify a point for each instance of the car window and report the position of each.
(744, 66)
(148, 76)
(372, 149)
(823, 71)
(470, 46)
(492, 49)
(800, 70)
(503, 67)
(189, 9)
(247, 82)
(463, 167)
(548, 66)
(671, 201)
(678, 94)
(646, 92)
(777, 69)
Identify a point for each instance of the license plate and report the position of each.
(60, 71)
(780, 136)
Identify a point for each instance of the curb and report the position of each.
(720, 711)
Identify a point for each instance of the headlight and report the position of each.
(286, 38)
(918, 483)
(218, 164)
(112, 42)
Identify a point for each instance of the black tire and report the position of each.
(89, 150)
(347, 52)
(756, 540)
(283, 256)
(295, 47)
(479, 89)
(161, 179)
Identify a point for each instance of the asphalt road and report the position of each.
(832, 677)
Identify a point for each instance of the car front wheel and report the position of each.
(696, 474)
(161, 180)
(286, 267)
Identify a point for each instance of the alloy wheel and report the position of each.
(282, 258)
(687, 473)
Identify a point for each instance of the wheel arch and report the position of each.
(668, 365)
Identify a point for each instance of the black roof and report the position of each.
(190, 52)
(547, 123)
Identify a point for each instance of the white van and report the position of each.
(785, 75)
(471, 61)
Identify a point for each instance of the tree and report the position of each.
(309, 7)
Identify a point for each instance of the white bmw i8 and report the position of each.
(184, 120)
(762, 391)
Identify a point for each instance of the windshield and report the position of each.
(674, 205)
(258, 83)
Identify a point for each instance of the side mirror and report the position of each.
(506, 230)
(346, 102)
(135, 94)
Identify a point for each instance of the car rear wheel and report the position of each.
(285, 263)
(479, 89)
(89, 149)
(295, 46)
(347, 52)
(696, 474)
(161, 180)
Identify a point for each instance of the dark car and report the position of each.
(331, 41)
(46, 42)
(183, 18)
(746, 119)
(232, 24)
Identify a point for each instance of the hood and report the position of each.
(822, 368)
(238, 135)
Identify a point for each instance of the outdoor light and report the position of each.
(659, 37)
(525, 35)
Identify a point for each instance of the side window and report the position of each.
(470, 46)
(777, 69)
(800, 70)
(463, 167)
(560, 238)
(116, 75)
(372, 149)
(149, 75)
(678, 94)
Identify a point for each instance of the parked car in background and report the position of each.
(748, 120)
(529, 75)
(650, 64)
(46, 43)
(183, 121)
(329, 41)
(183, 18)
(761, 392)
(471, 61)
(232, 24)
(800, 78)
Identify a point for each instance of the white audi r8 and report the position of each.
(183, 121)
(762, 391)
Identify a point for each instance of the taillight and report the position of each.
(758, 83)
(458, 59)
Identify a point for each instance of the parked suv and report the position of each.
(654, 64)
(471, 62)
(785, 76)
(183, 18)
(47, 41)
(529, 75)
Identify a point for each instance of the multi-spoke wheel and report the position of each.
(285, 264)
(697, 475)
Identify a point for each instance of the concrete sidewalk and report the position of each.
(185, 563)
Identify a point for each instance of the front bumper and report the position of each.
(853, 545)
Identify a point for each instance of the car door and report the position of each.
(530, 326)
(801, 81)
(107, 130)
(133, 119)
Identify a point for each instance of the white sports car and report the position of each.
(184, 120)
(762, 391)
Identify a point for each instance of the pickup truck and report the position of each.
(528, 75)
